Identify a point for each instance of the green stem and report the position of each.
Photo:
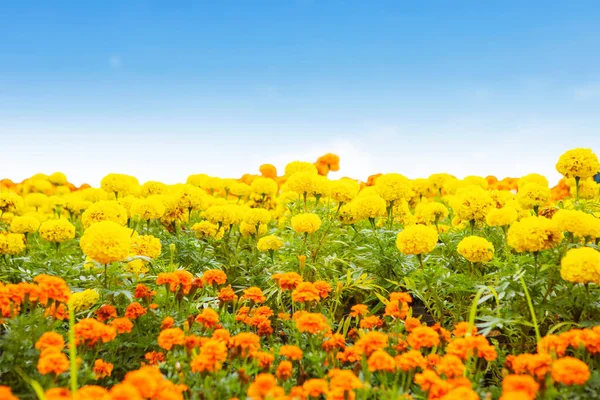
(531, 310)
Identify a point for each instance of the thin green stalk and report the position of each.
(72, 351)
(531, 310)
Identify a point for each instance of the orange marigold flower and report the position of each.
(147, 380)
(371, 322)
(450, 366)
(334, 341)
(305, 292)
(91, 392)
(58, 394)
(411, 323)
(254, 294)
(154, 357)
(284, 370)
(287, 281)
(6, 393)
(262, 386)
(53, 287)
(359, 310)
(520, 383)
(106, 312)
(433, 360)
(323, 288)
(52, 360)
(153, 306)
(283, 316)
(167, 323)
(380, 360)
(537, 365)
(477, 346)
(460, 393)
(122, 325)
(90, 331)
(570, 371)
(226, 294)
(143, 292)
(214, 276)
(135, 310)
(102, 369)
(193, 341)
(315, 387)
(423, 336)
(291, 352)
(49, 340)
(372, 341)
(264, 359)
(351, 354)
(212, 355)
(461, 329)
(344, 380)
(208, 318)
(312, 323)
(221, 335)
(171, 337)
(410, 360)
(247, 342)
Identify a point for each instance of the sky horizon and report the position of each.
(162, 91)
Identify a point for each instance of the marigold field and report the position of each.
(289, 285)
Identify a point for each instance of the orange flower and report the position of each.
(125, 391)
(410, 360)
(154, 357)
(171, 337)
(91, 392)
(193, 341)
(537, 365)
(381, 361)
(54, 288)
(283, 316)
(122, 325)
(135, 310)
(50, 340)
(312, 323)
(323, 287)
(264, 359)
(226, 294)
(6, 393)
(52, 360)
(372, 341)
(520, 383)
(147, 380)
(291, 352)
(102, 369)
(398, 305)
(553, 344)
(423, 336)
(58, 394)
(262, 386)
(143, 292)
(268, 171)
(61, 313)
(351, 354)
(90, 331)
(451, 366)
(306, 292)
(284, 370)
(254, 294)
(460, 393)
(287, 281)
(105, 312)
(178, 280)
(212, 355)
(213, 277)
(334, 341)
(247, 342)
(167, 323)
(570, 371)
(371, 322)
(221, 335)
(315, 387)
(411, 323)
(461, 329)
(208, 318)
(344, 380)
(469, 346)
(359, 310)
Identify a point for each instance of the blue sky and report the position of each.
(165, 89)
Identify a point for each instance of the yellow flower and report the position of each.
(534, 234)
(417, 239)
(371, 206)
(303, 182)
(472, 203)
(247, 229)
(58, 178)
(81, 301)
(104, 210)
(189, 197)
(532, 178)
(206, 229)
(119, 184)
(432, 212)
(57, 230)
(533, 195)
(106, 242)
(392, 187)
(578, 163)
(270, 242)
(11, 243)
(224, 215)
(152, 188)
(501, 216)
(200, 180)
(36, 200)
(438, 180)
(476, 249)
(306, 223)
(588, 188)
(241, 189)
(10, 202)
(148, 208)
(24, 224)
(423, 187)
(577, 222)
(264, 187)
(343, 190)
(299, 166)
(146, 245)
(255, 216)
(581, 265)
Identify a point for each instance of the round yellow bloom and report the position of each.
(423, 187)
(148, 208)
(200, 180)
(299, 166)
(343, 190)
(303, 182)
(76, 205)
(578, 163)
(433, 212)
(579, 223)
(106, 242)
(270, 242)
(10, 202)
(392, 187)
(501, 216)
(588, 188)
(241, 189)
(476, 249)
(532, 178)
(247, 229)
(438, 180)
(225, 215)
(189, 197)
(58, 178)
(94, 195)
(417, 239)
(136, 267)
(364, 207)
(264, 187)
(11, 243)
(473, 180)
(36, 200)
(24, 224)
(255, 216)
(306, 223)
(82, 301)
(119, 184)
(206, 229)
(534, 234)
(104, 210)
(146, 245)
(153, 188)
(57, 230)
(581, 265)
(532, 195)
(472, 203)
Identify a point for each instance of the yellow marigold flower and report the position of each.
(392, 187)
(10, 202)
(81, 301)
(58, 178)
(534, 234)
(501, 197)
(240, 189)
(299, 166)
(364, 207)
(588, 188)
(136, 267)
(264, 187)
(255, 216)
(119, 184)
(270, 242)
(533, 195)
(501, 216)
(57, 230)
(94, 195)
(152, 188)
(11, 243)
(472, 203)
(417, 239)
(438, 180)
(205, 229)
(24, 224)
(433, 212)
(423, 187)
(35, 200)
(224, 215)
(200, 180)
(106, 242)
(148, 208)
(146, 245)
(127, 202)
(189, 197)
(249, 229)
(76, 205)
(472, 180)
(578, 223)
(268, 171)
(476, 249)
(581, 265)
(343, 190)
(578, 163)
(306, 223)
(104, 210)
(532, 178)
